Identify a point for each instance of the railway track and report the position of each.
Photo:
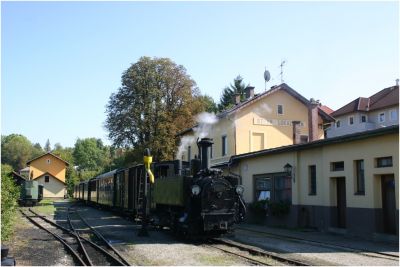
(214, 242)
(365, 252)
(85, 251)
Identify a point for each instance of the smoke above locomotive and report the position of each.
(204, 121)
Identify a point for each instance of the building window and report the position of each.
(282, 189)
(351, 120)
(262, 188)
(280, 109)
(393, 115)
(48, 161)
(312, 180)
(46, 179)
(381, 117)
(363, 118)
(338, 124)
(384, 162)
(337, 166)
(189, 153)
(360, 185)
(276, 187)
(224, 145)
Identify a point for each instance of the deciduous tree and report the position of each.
(16, 150)
(154, 102)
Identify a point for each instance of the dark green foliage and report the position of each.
(91, 155)
(262, 208)
(279, 208)
(157, 99)
(259, 208)
(16, 150)
(207, 104)
(238, 87)
(9, 201)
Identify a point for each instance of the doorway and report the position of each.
(341, 202)
(388, 204)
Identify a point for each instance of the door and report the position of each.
(388, 204)
(341, 202)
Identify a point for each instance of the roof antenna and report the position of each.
(267, 77)
(281, 65)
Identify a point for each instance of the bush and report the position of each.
(9, 201)
(263, 208)
(279, 208)
(259, 208)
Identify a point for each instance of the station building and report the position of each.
(49, 170)
(260, 122)
(346, 184)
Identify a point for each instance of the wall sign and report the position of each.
(274, 122)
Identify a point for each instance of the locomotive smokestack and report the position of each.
(204, 145)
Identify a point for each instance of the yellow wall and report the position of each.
(367, 149)
(244, 131)
(54, 188)
(56, 167)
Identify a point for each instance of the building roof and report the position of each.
(382, 99)
(48, 153)
(321, 111)
(318, 143)
(49, 174)
(26, 169)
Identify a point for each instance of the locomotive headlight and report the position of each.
(195, 190)
(239, 189)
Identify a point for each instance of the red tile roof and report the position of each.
(384, 98)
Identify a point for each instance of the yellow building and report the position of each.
(260, 122)
(345, 184)
(49, 170)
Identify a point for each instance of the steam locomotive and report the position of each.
(190, 198)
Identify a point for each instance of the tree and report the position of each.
(238, 87)
(90, 154)
(154, 102)
(9, 198)
(206, 104)
(16, 150)
(47, 146)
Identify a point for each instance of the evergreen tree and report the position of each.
(238, 87)
(47, 146)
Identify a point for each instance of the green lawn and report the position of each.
(45, 207)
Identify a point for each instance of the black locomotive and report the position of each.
(189, 197)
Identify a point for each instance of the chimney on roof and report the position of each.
(313, 120)
(296, 132)
(236, 98)
(397, 82)
(249, 91)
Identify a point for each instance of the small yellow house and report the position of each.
(49, 170)
(274, 118)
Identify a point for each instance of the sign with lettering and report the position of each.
(274, 122)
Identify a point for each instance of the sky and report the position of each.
(61, 61)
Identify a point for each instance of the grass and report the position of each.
(45, 207)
